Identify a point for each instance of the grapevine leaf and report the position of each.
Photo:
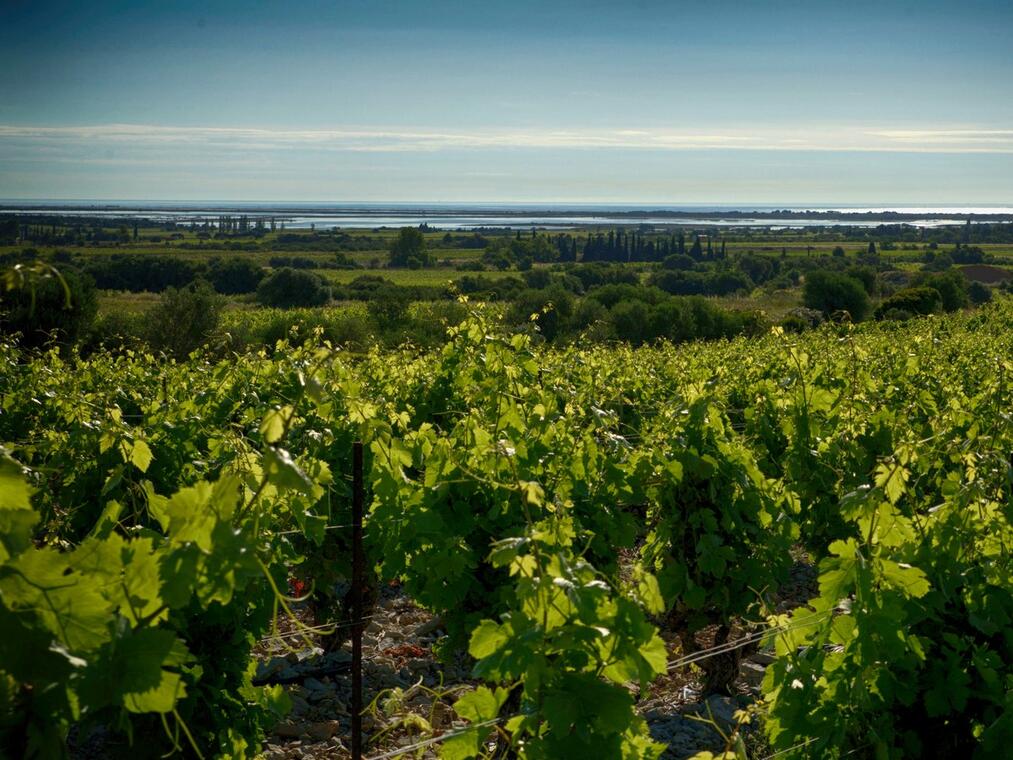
(486, 639)
(72, 607)
(649, 593)
(273, 425)
(140, 455)
(14, 491)
(283, 471)
(482, 704)
(17, 518)
(892, 480)
(910, 581)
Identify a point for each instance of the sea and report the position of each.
(324, 215)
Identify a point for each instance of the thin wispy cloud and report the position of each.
(837, 139)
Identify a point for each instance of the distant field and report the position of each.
(434, 276)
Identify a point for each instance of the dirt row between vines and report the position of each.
(409, 692)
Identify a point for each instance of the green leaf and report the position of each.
(482, 704)
(140, 455)
(533, 493)
(478, 706)
(70, 605)
(160, 698)
(649, 593)
(892, 479)
(16, 527)
(14, 491)
(283, 472)
(131, 670)
(655, 654)
(910, 581)
(273, 426)
(486, 639)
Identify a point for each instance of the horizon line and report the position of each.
(941, 139)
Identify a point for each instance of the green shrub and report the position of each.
(632, 321)
(678, 261)
(553, 305)
(116, 331)
(409, 249)
(185, 319)
(832, 293)
(910, 301)
(235, 275)
(389, 307)
(951, 286)
(288, 288)
(794, 324)
(979, 293)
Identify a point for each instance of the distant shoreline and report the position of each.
(716, 212)
(490, 216)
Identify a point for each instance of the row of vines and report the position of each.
(557, 508)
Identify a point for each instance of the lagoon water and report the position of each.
(462, 216)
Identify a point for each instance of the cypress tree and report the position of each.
(697, 250)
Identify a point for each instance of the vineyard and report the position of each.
(576, 522)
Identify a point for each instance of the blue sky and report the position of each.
(665, 102)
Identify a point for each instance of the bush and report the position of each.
(979, 293)
(674, 319)
(430, 321)
(288, 288)
(793, 323)
(146, 273)
(591, 314)
(537, 278)
(498, 256)
(610, 295)
(389, 306)
(115, 331)
(967, 255)
(758, 269)
(50, 309)
(679, 262)
(185, 319)
(632, 321)
(599, 273)
(409, 249)
(940, 262)
(680, 283)
(233, 276)
(554, 307)
(952, 288)
(866, 276)
(489, 288)
(341, 327)
(832, 292)
(910, 301)
(810, 317)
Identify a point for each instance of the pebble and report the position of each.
(323, 730)
(290, 730)
(312, 684)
